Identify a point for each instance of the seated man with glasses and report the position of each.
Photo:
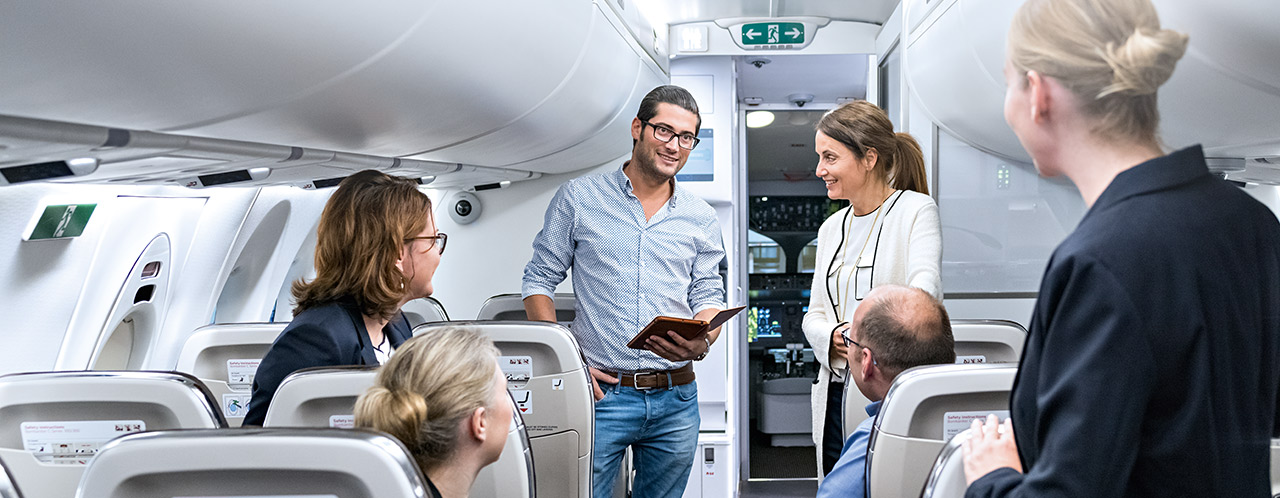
(894, 329)
(640, 246)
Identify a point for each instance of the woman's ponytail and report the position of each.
(908, 171)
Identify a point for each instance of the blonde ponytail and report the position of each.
(1112, 54)
(432, 383)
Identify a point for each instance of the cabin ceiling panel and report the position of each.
(682, 11)
(783, 151)
(826, 77)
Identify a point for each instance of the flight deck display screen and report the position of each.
(701, 166)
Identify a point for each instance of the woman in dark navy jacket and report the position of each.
(1153, 358)
(376, 249)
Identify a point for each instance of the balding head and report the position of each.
(904, 327)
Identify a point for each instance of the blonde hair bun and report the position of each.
(1144, 62)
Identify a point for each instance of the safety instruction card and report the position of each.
(73, 443)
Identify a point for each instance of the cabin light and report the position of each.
(759, 119)
(798, 118)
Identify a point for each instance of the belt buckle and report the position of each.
(635, 381)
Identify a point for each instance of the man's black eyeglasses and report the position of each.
(439, 236)
(844, 334)
(664, 135)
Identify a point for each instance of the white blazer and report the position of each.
(908, 252)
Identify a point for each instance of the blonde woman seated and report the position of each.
(443, 396)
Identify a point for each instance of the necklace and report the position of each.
(842, 296)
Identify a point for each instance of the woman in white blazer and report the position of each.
(889, 234)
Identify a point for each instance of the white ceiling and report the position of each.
(826, 77)
(669, 12)
(783, 151)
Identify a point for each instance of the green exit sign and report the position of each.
(773, 33)
(61, 221)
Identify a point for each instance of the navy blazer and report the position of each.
(325, 336)
(1152, 364)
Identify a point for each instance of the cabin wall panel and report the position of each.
(487, 257)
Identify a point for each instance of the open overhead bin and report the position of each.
(513, 84)
(1225, 93)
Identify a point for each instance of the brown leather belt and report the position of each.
(656, 379)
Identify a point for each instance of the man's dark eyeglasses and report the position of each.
(439, 236)
(664, 135)
(844, 334)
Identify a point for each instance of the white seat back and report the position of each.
(511, 307)
(1275, 468)
(424, 310)
(548, 379)
(924, 408)
(7, 488)
(64, 417)
(216, 353)
(977, 341)
(946, 480)
(988, 341)
(326, 397)
(253, 462)
(319, 397)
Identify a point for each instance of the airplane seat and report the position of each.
(320, 397)
(1275, 468)
(253, 462)
(424, 310)
(225, 358)
(53, 423)
(548, 380)
(925, 407)
(946, 479)
(511, 307)
(988, 341)
(7, 488)
(977, 341)
(326, 397)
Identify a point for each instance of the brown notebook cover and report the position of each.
(686, 327)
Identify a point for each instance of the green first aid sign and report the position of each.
(61, 221)
(772, 33)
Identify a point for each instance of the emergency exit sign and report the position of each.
(772, 33)
(61, 221)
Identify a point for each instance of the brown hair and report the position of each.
(1111, 54)
(431, 384)
(361, 234)
(861, 125)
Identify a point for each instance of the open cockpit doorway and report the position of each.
(781, 100)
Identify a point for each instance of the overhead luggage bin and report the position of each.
(513, 85)
(549, 382)
(253, 462)
(38, 411)
(924, 408)
(1224, 93)
(225, 358)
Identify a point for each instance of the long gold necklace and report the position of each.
(842, 297)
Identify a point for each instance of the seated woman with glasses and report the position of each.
(889, 234)
(376, 249)
(444, 397)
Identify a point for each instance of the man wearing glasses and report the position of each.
(895, 328)
(640, 246)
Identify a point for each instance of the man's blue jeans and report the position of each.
(660, 425)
